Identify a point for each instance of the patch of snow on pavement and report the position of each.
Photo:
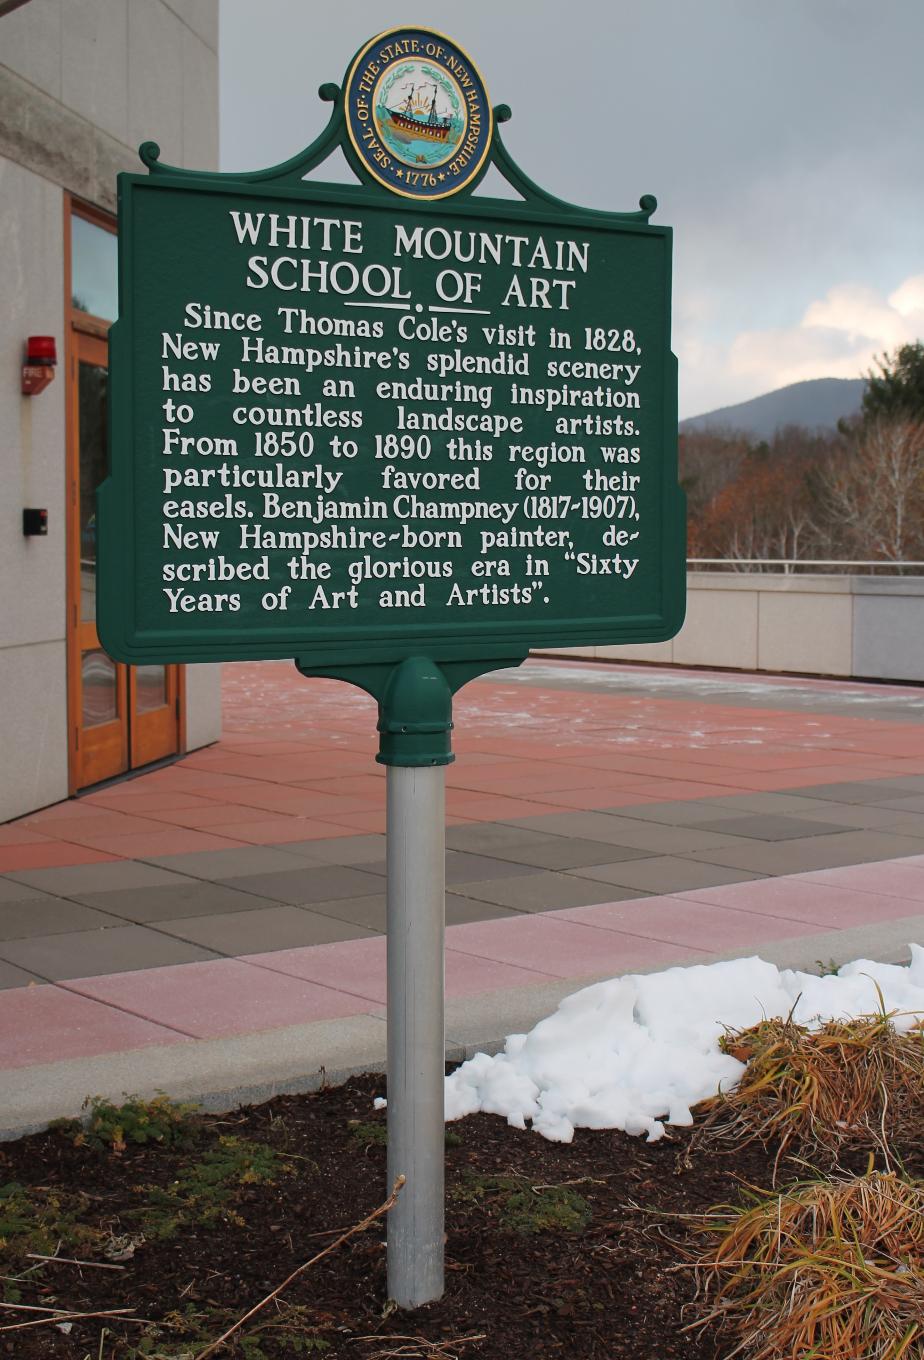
(639, 1051)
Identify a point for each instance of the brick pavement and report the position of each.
(600, 819)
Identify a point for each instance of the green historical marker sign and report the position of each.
(401, 433)
(355, 424)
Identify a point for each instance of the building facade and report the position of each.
(82, 84)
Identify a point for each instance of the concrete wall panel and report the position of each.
(82, 82)
(720, 629)
(803, 630)
(200, 100)
(155, 79)
(865, 626)
(34, 732)
(32, 570)
(199, 15)
(662, 652)
(203, 705)
(94, 80)
(30, 43)
(888, 629)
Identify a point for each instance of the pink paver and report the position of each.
(358, 967)
(354, 966)
(282, 830)
(886, 878)
(46, 1024)
(17, 833)
(546, 943)
(809, 897)
(50, 855)
(164, 841)
(298, 757)
(696, 924)
(214, 999)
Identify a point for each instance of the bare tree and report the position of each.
(872, 497)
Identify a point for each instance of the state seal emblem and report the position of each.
(418, 114)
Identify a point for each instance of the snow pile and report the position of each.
(642, 1049)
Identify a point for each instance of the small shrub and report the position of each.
(112, 1128)
(831, 1269)
(851, 1083)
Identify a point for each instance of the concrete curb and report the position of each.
(221, 1074)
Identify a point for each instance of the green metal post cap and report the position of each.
(415, 715)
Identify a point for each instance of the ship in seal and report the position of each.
(434, 127)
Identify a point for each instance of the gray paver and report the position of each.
(540, 892)
(260, 932)
(11, 976)
(123, 949)
(867, 791)
(341, 849)
(461, 910)
(688, 813)
(461, 867)
(12, 890)
(782, 804)
(311, 883)
(560, 852)
(194, 897)
(216, 865)
(56, 916)
(489, 838)
(74, 880)
(914, 783)
(864, 816)
(666, 874)
(911, 826)
(368, 912)
(911, 803)
(802, 856)
(627, 831)
(769, 827)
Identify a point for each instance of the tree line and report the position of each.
(853, 494)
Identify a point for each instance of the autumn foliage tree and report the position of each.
(855, 495)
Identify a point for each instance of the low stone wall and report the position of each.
(867, 627)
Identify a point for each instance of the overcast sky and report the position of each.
(784, 140)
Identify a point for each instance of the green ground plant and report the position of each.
(204, 1192)
(112, 1128)
(523, 1208)
(40, 1219)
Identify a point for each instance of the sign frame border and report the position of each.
(463, 642)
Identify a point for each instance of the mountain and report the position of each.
(817, 405)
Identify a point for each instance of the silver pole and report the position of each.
(416, 829)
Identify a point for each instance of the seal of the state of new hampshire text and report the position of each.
(418, 114)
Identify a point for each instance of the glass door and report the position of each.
(99, 686)
(122, 717)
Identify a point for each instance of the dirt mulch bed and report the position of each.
(551, 1250)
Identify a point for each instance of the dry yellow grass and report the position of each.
(826, 1270)
(856, 1083)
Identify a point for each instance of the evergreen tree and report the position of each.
(897, 390)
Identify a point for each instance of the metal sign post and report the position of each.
(416, 1046)
(401, 434)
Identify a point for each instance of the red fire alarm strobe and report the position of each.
(39, 367)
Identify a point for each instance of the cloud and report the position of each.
(839, 336)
